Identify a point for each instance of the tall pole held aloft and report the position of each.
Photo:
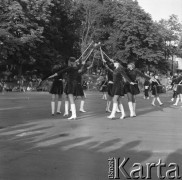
(85, 51)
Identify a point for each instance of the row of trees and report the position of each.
(41, 33)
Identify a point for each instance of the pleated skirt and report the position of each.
(57, 87)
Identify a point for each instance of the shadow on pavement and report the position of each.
(78, 163)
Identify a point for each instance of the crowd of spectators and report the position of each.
(92, 81)
(21, 84)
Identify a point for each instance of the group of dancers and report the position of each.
(151, 83)
(121, 81)
(73, 87)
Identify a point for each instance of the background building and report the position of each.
(179, 64)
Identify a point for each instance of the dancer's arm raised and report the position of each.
(139, 73)
(178, 79)
(61, 72)
(123, 73)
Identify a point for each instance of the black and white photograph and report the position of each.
(90, 89)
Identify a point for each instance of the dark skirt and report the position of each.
(103, 88)
(157, 90)
(133, 89)
(179, 89)
(75, 88)
(79, 90)
(57, 87)
(109, 89)
(118, 89)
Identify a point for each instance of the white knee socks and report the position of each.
(122, 111)
(66, 107)
(153, 101)
(73, 110)
(59, 107)
(158, 99)
(82, 106)
(52, 107)
(130, 104)
(177, 100)
(114, 108)
(134, 109)
(108, 106)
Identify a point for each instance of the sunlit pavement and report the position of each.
(37, 146)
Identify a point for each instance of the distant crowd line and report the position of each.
(31, 83)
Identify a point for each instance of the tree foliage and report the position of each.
(41, 33)
(20, 35)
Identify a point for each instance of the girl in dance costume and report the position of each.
(66, 101)
(70, 89)
(131, 88)
(56, 90)
(103, 88)
(109, 88)
(118, 88)
(146, 89)
(178, 81)
(80, 92)
(109, 76)
(84, 86)
(174, 84)
(155, 84)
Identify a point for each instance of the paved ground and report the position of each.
(37, 146)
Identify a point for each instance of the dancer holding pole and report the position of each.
(73, 72)
(70, 89)
(109, 75)
(118, 87)
(131, 88)
(57, 90)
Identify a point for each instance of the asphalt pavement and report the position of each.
(37, 146)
